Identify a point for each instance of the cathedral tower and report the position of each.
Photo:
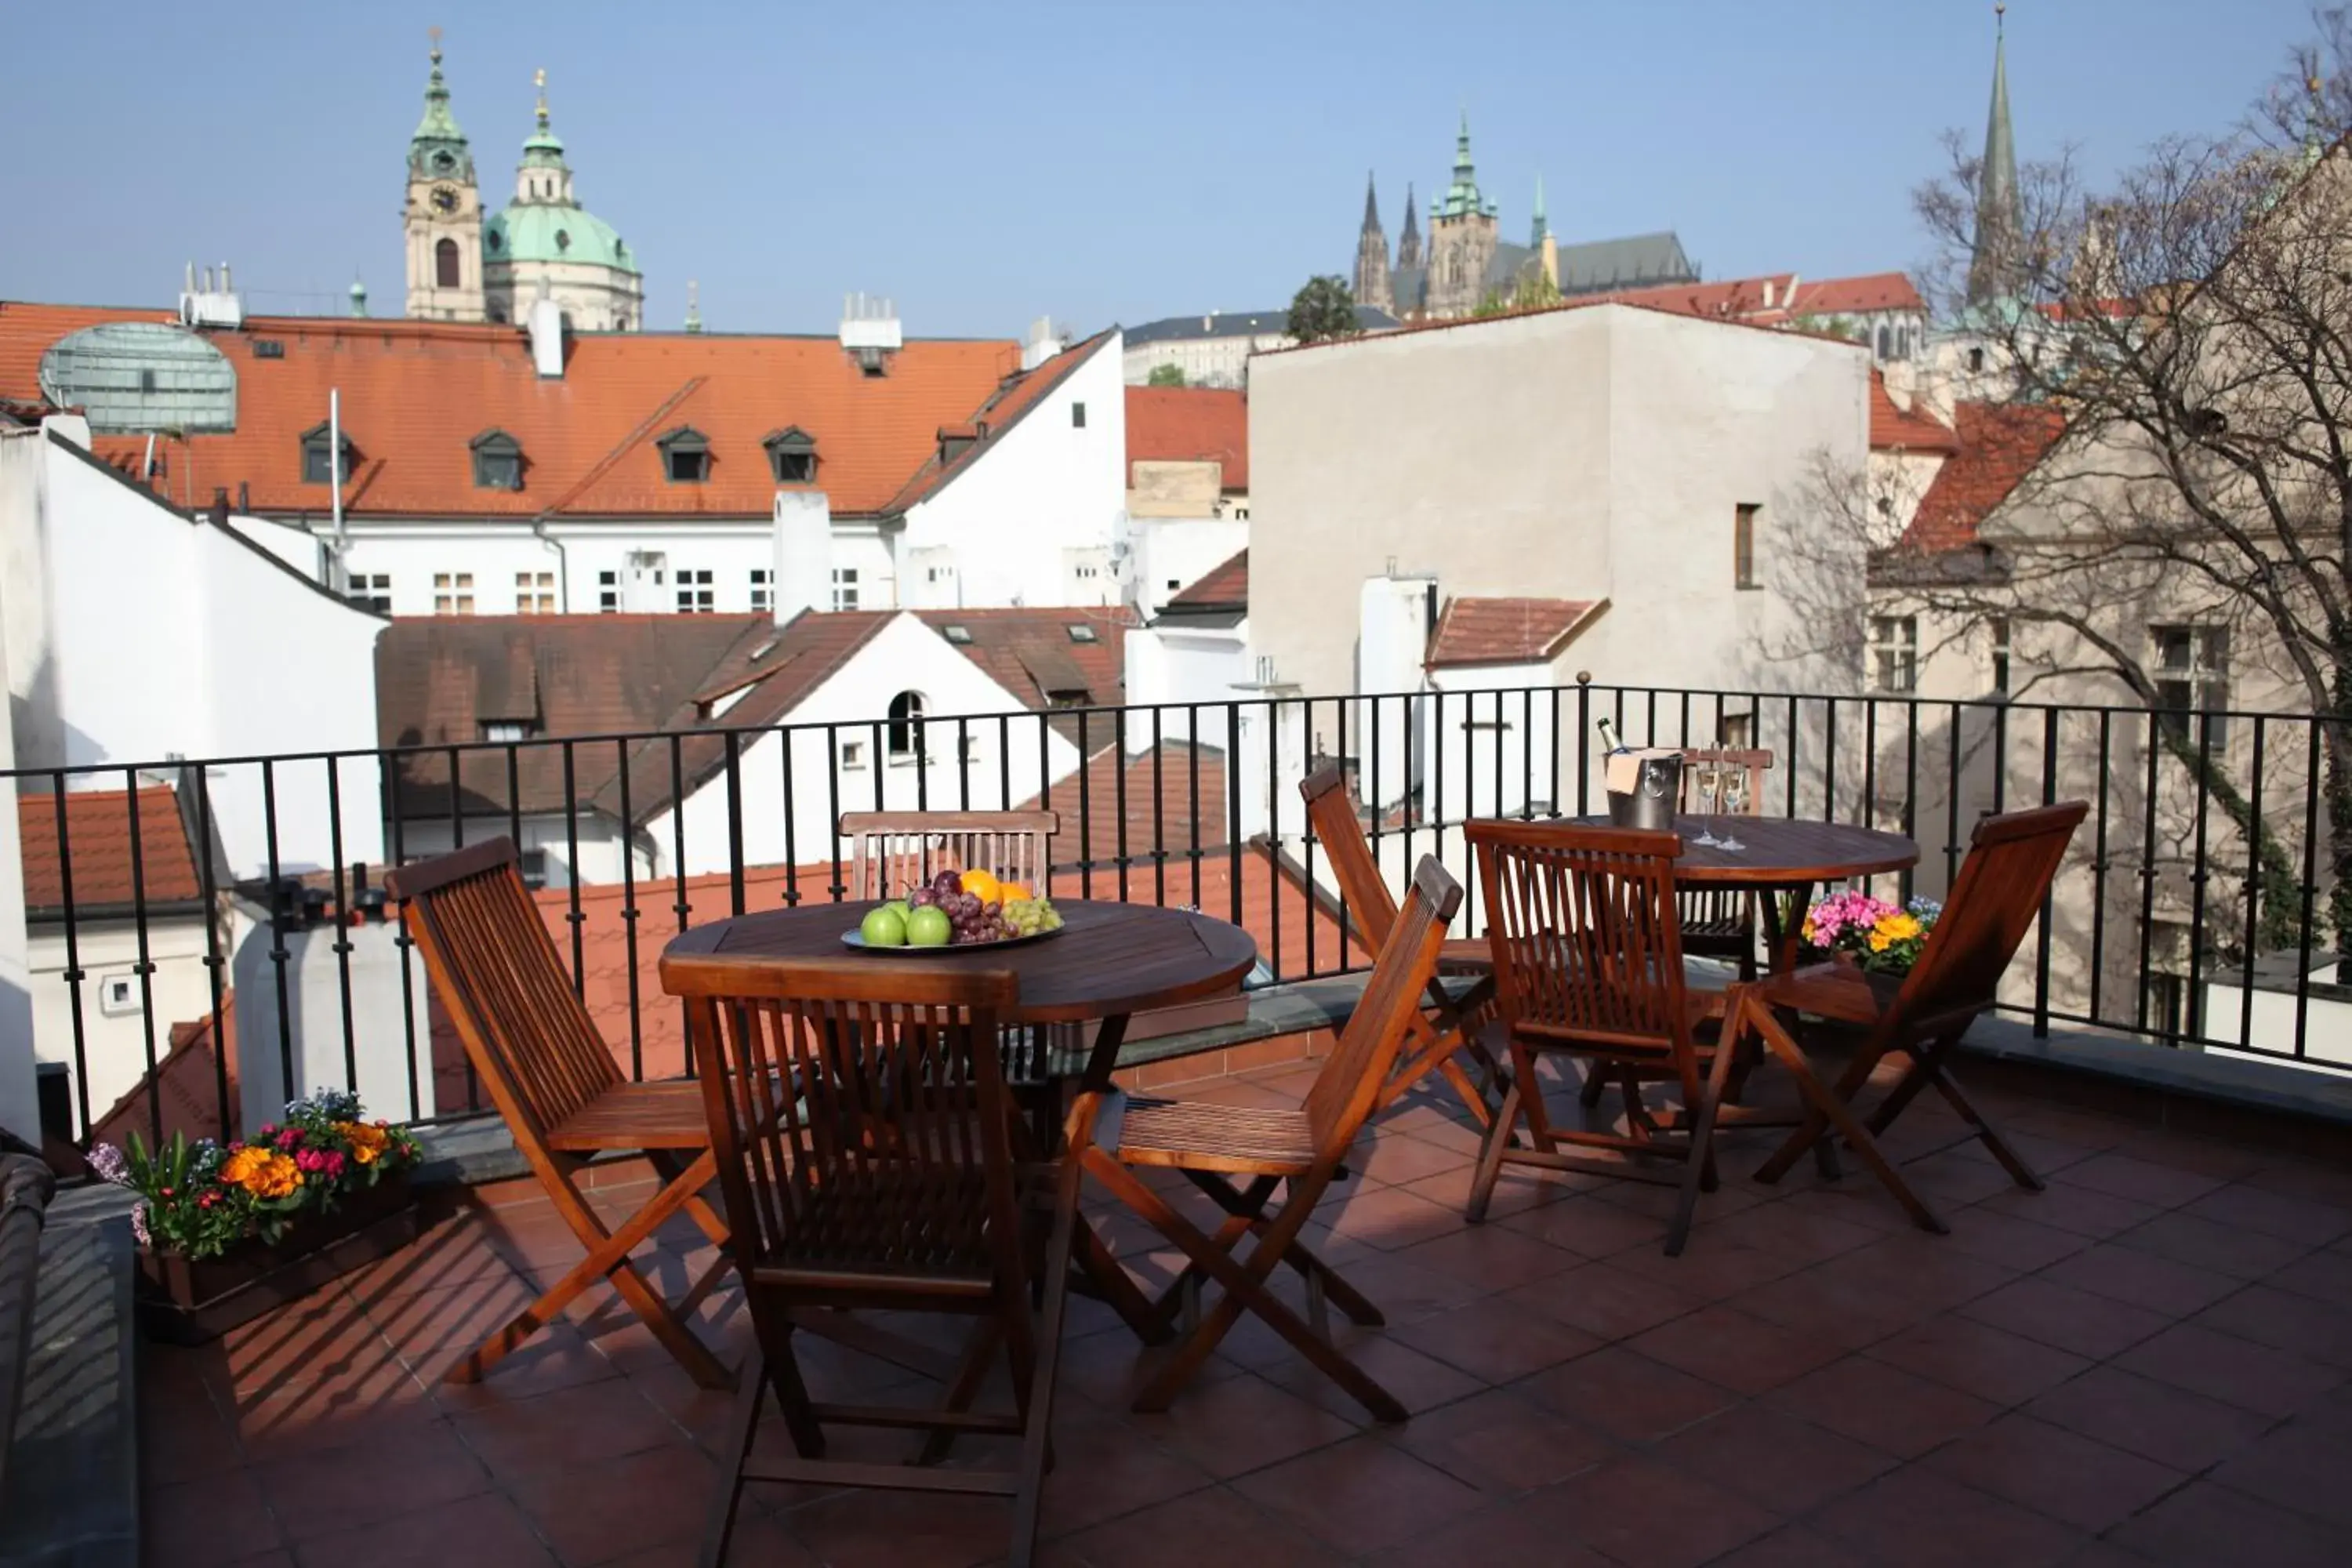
(1993, 260)
(1409, 242)
(1372, 256)
(444, 217)
(545, 242)
(1462, 238)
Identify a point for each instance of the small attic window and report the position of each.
(506, 731)
(497, 461)
(1083, 634)
(315, 469)
(684, 456)
(792, 454)
(562, 240)
(957, 634)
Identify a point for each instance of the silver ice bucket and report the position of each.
(1650, 805)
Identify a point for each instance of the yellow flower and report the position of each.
(1880, 941)
(367, 1143)
(1898, 927)
(1808, 933)
(262, 1172)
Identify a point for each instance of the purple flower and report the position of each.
(139, 1225)
(108, 1162)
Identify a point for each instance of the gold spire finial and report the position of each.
(539, 80)
(1999, 14)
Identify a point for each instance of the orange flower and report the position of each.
(262, 1172)
(367, 1143)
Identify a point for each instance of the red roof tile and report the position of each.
(1894, 428)
(1858, 296)
(99, 837)
(1190, 425)
(1003, 410)
(201, 1056)
(1223, 586)
(1999, 446)
(415, 394)
(1507, 631)
(1031, 653)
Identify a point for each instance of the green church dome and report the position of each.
(543, 231)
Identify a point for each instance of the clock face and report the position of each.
(444, 198)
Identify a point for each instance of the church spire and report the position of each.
(438, 148)
(1462, 196)
(1372, 206)
(1538, 227)
(1409, 242)
(1992, 262)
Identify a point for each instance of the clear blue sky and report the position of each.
(1111, 161)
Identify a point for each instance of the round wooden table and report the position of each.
(1782, 855)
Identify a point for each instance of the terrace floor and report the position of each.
(2144, 1362)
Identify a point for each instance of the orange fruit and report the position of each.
(984, 886)
(1015, 891)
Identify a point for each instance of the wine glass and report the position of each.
(1734, 802)
(1709, 785)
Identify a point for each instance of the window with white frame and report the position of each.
(608, 592)
(1895, 653)
(762, 593)
(453, 593)
(506, 731)
(118, 995)
(845, 587)
(533, 868)
(695, 597)
(534, 592)
(906, 727)
(1999, 629)
(2192, 676)
(852, 754)
(370, 591)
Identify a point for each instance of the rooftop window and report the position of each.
(1083, 634)
(958, 635)
(792, 454)
(684, 456)
(316, 469)
(497, 461)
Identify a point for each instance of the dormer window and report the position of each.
(955, 440)
(1083, 634)
(792, 454)
(508, 732)
(497, 461)
(959, 635)
(316, 467)
(684, 456)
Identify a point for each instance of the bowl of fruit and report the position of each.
(956, 909)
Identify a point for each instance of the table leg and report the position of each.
(1097, 1272)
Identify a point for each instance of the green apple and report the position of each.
(898, 907)
(928, 927)
(885, 927)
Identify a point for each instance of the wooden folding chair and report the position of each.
(551, 1076)
(896, 851)
(2011, 862)
(1589, 964)
(1447, 1028)
(1217, 1146)
(889, 1183)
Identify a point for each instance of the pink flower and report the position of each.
(139, 1225)
(328, 1162)
(292, 1138)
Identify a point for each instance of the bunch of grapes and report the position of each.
(971, 919)
(1027, 917)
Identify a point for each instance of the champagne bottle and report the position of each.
(1609, 744)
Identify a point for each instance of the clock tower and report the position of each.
(444, 217)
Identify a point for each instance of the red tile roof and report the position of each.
(1223, 586)
(1188, 425)
(201, 1056)
(98, 838)
(1858, 296)
(1507, 631)
(1894, 428)
(1999, 445)
(1031, 653)
(415, 394)
(1003, 410)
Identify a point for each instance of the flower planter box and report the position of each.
(186, 1302)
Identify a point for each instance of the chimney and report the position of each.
(802, 557)
(870, 331)
(220, 506)
(209, 300)
(547, 337)
(1043, 344)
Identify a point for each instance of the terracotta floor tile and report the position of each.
(1735, 1350)
(2142, 1278)
(2079, 1209)
(605, 1508)
(2154, 1420)
(1387, 1217)
(2011, 1237)
(2120, 1176)
(210, 1522)
(318, 1416)
(1793, 1546)
(2229, 1160)
(1392, 1158)
(2284, 1321)
(1404, 1290)
(1648, 1514)
(1492, 1257)
(1712, 1272)
(568, 1428)
(1358, 1495)
(1809, 1235)
(2235, 1250)
(1418, 1382)
(2311, 1181)
(758, 1541)
(2247, 1206)
(1214, 1526)
(901, 1529)
(485, 1531)
(183, 1433)
(1497, 1340)
(1501, 1441)
(2221, 1366)
(1789, 1466)
(321, 1492)
(1889, 1408)
(2322, 1276)
(2053, 1471)
(1628, 1396)
(1515, 1530)
(1244, 1423)
(1956, 1177)
(1917, 1519)
(2299, 1466)
(2205, 1524)
(1979, 1358)
(1107, 1467)
(1839, 1311)
(2060, 1315)
(1605, 1300)
(1587, 1227)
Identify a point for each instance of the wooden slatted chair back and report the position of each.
(1750, 764)
(896, 851)
(495, 968)
(892, 1156)
(1332, 814)
(1587, 941)
(1994, 901)
(1347, 1088)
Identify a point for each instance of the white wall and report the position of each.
(1490, 740)
(1174, 664)
(1169, 554)
(115, 1039)
(19, 1093)
(599, 860)
(1038, 489)
(150, 637)
(310, 1029)
(905, 654)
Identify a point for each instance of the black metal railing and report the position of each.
(201, 959)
